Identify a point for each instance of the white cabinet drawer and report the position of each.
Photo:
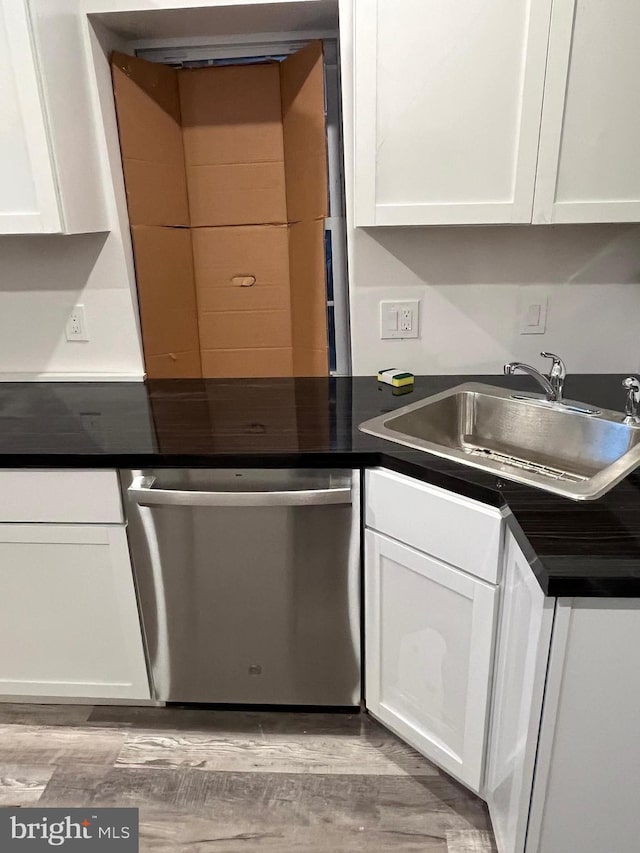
(59, 496)
(457, 530)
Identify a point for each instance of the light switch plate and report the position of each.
(399, 319)
(533, 309)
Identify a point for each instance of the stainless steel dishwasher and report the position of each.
(248, 583)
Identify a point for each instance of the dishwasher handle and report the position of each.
(141, 491)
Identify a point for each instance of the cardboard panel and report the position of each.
(310, 362)
(308, 299)
(167, 299)
(253, 363)
(240, 194)
(304, 129)
(234, 151)
(231, 114)
(148, 104)
(183, 365)
(242, 268)
(244, 329)
(156, 193)
(149, 124)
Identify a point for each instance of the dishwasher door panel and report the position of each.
(250, 603)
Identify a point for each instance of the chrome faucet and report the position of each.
(632, 386)
(557, 374)
(552, 385)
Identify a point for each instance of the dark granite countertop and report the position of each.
(587, 548)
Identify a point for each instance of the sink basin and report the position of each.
(541, 444)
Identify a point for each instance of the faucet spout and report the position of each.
(517, 366)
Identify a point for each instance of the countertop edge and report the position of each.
(561, 582)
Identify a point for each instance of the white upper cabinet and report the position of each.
(461, 117)
(28, 195)
(49, 163)
(589, 164)
(448, 100)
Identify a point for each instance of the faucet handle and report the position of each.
(558, 367)
(632, 387)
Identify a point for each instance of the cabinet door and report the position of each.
(28, 195)
(69, 622)
(585, 791)
(590, 140)
(428, 645)
(522, 652)
(60, 35)
(448, 99)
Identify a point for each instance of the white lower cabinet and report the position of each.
(587, 774)
(522, 652)
(69, 623)
(428, 641)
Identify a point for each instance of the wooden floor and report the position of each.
(208, 781)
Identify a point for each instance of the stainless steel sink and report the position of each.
(547, 445)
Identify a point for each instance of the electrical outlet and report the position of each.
(399, 319)
(76, 328)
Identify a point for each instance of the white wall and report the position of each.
(41, 279)
(468, 281)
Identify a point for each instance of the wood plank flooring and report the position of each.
(223, 781)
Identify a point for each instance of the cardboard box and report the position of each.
(226, 179)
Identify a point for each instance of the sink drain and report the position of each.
(524, 464)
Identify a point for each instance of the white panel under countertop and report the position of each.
(59, 496)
